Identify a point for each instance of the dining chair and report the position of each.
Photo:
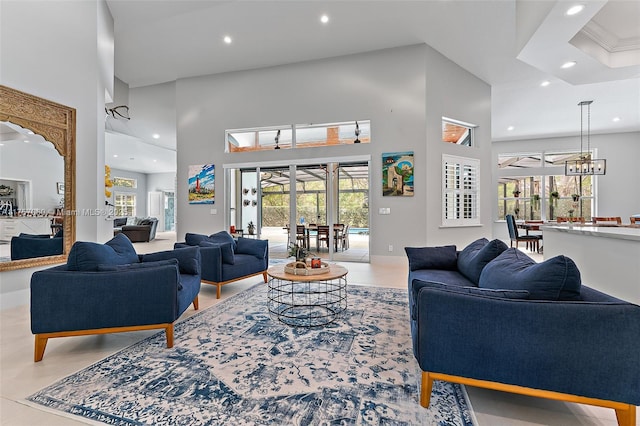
(601, 220)
(532, 241)
(301, 236)
(345, 238)
(338, 230)
(572, 219)
(323, 236)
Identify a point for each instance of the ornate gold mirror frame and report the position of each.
(57, 124)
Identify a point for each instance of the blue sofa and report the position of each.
(107, 288)
(28, 246)
(225, 260)
(489, 316)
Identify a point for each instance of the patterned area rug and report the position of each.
(234, 365)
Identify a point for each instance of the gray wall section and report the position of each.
(403, 91)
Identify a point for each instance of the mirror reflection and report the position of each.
(37, 180)
(31, 197)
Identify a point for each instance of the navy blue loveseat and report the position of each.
(225, 260)
(107, 288)
(490, 316)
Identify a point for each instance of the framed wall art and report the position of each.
(202, 184)
(397, 174)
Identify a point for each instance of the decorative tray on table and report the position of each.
(304, 268)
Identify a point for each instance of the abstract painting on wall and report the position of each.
(202, 184)
(397, 174)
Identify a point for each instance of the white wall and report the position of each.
(403, 91)
(161, 182)
(617, 192)
(62, 55)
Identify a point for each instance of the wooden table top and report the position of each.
(334, 272)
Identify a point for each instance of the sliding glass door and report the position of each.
(323, 206)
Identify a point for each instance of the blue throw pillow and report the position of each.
(444, 257)
(86, 256)
(557, 278)
(194, 239)
(226, 249)
(222, 237)
(188, 259)
(140, 265)
(474, 257)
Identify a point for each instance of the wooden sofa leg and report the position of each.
(264, 276)
(425, 389)
(196, 304)
(40, 346)
(626, 417)
(169, 332)
(218, 288)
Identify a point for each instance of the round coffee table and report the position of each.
(307, 300)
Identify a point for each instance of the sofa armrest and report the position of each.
(581, 348)
(211, 264)
(63, 300)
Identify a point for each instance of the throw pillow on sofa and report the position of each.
(86, 256)
(557, 278)
(188, 258)
(222, 237)
(444, 257)
(226, 249)
(194, 239)
(474, 257)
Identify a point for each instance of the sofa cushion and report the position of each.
(23, 235)
(444, 257)
(252, 247)
(86, 256)
(194, 239)
(474, 257)
(222, 237)
(557, 278)
(503, 293)
(226, 249)
(188, 259)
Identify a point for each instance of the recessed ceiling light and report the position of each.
(26, 141)
(30, 132)
(574, 10)
(324, 19)
(545, 83)
(568, 64)
(115, 155)
(155, 161)
(1, 144)
(510, 128)
(227, 39)
(616, 119)
(156, 136)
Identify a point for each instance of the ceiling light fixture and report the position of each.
(156, 136)
(568, 64)
(616, 119)
(545, 83)
(324, 19)
(510, 128)
(227, 39)
(585, 165)
(115, 155)
(277, 139)
(574, 10)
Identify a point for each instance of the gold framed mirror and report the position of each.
(56, 123)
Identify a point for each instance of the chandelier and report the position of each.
(585, 165)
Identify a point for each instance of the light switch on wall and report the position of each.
(214, 211)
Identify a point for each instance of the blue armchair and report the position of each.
(225, 260)
(109, 288)
(27, 246)
(524, 327)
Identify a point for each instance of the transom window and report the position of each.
(457, 132)
(125, 182)
(298, 136)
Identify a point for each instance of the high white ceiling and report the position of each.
(512, 45)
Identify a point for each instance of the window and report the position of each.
(540, 191)
(125, 204)
(460, 191)
(457, 132)
(125, 182)
(298, 136)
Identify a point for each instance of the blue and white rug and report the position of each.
(234, 365)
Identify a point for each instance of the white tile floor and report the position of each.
(20, 376)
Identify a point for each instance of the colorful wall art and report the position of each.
(397, 174)
(202, 184)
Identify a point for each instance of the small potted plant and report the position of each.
(516, 193)
(575, 197)
(553, 198)
(299, 252)
(535, 201)
(251, 227)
